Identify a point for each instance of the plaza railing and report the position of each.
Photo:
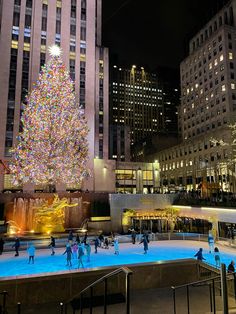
(103, 280)
(3, 304)
(224, 284)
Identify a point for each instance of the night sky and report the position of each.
(154, 32)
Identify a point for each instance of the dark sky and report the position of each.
(154, 32)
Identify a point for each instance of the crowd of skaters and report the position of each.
(77, 247)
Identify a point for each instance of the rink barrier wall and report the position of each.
(62, 286)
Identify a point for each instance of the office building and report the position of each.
(208, 106)
(134, 112)
(27, 29)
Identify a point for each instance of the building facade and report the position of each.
(134, 112)
(27, 29)
(208, 107)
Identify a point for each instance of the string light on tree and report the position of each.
(55, 51)
(53, 145)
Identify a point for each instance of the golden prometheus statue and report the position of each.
(50, 216)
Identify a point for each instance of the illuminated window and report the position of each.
(210, 66)
(125, 174)
(221, 57)
(230, 55)
(215, 62)
(232, 85)
(223, 88)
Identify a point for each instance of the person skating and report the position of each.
(80, 256)
(133, 236)
(68, 253)
(211, 242)
(88, 251)
(96, 245)
(101, 240)
(106, 243)
(70, 237)
(52, 245)
(145, 243)
(199, 255)
(231, 268)
(31, 252)
(2, 242)
(75, 250)
(16, 245)
(116, 246)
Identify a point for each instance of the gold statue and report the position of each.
(50, 216)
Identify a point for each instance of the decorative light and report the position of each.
(55, 51)
(53, 145)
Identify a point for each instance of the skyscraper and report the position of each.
(28, 28)
(134, 112)
(208, 106)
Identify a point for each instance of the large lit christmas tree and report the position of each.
(53, 146)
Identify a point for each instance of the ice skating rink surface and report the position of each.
(45, 264)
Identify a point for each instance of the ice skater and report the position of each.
(96, 245)
(133, 236)
(211, 242)
(52, 245)
(116, 246)
(75, 250)
(16, 245)
(101, 240)
(231, 268)
(68, 253)
(1, 245)
(106, 243)
(70, 237)
(88, 251)
(199, 255)
(31, 252)
(80, 256)
(145, 243)
(217, 256)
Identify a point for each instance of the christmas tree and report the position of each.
(52, 147)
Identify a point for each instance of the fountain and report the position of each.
(45, 214)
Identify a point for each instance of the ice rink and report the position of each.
(128, 254)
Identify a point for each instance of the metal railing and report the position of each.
(217, 282)
(90, 288)
(3, 305)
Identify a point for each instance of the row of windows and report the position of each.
(226, 18)
(203, 129)
(208, 68)
(186, 91)
(186, 151)
(200, 163)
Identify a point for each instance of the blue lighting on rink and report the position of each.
(128, 254)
